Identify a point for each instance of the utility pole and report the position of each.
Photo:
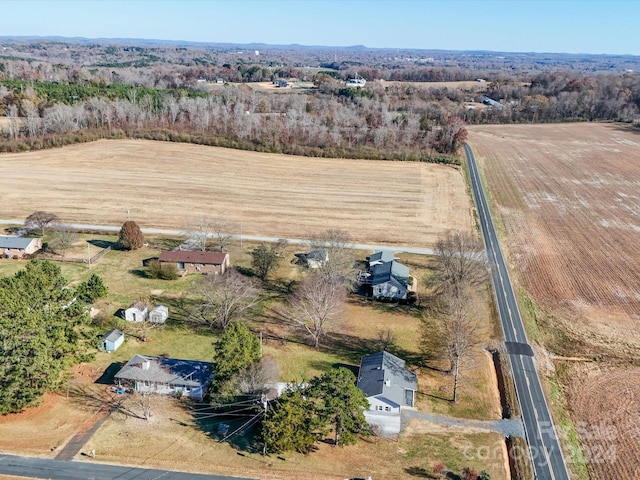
(264, 405)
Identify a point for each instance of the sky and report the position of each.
(558, 26)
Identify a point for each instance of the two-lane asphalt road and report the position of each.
(548, 461)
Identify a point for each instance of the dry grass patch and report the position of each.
(178, 443)
(163, 184)
(569, 198)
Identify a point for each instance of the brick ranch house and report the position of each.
(187, 261)
(18, 247)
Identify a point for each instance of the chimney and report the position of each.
(146, 363)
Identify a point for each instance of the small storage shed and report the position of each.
(137, 312)
(112, 340)
(159, 314)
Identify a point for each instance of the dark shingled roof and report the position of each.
(384, 374)
(188, 256)
(112, 335)
(189, 373)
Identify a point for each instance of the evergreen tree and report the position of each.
(40, 334)
(290, 423)
(92, 289)
(341, 403)
(236, 349)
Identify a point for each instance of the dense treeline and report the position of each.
(328, 121)
(50, 104)
(553, 97)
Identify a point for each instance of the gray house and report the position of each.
(389, 387)
(387, 276)
(112, 340)
(168, 376)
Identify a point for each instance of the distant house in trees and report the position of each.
(167, 376)
(313, 259)
(159, 314)
(137, 312)
(389, 387)
(112, 340)
(387, 277)
(187, 261)
(18, 247)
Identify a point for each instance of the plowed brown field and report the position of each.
(606, 404)
(569, 198)
(165, 185)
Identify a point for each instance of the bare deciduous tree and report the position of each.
(63, 238)
(227, 297)
(199, 231)
(340, 262)
(458, 333)
(222, 232)
(315, 304)
(460, 262)
(41, 220)
(256, 378)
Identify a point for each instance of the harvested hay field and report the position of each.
(165, 185)
(569, 197)
(607, 407)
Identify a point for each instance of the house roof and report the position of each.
(112, 335)
(20, 243)
(383, 272)
(173, 371)
(382, 256)
(188, 256)
(139, 305)
(383, 374)
(160, 308)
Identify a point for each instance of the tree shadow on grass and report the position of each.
(420, 472)
(107, 376)
(236, 425)
(139, 272)
(102, 243)
(354, 348)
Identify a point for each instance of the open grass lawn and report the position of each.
(181, 442)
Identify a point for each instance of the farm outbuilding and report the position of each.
(159, 314)
(137, 312)
(112, 340)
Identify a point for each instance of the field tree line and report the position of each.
(387, 121)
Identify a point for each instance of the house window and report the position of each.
(387, 409)
(380, 407)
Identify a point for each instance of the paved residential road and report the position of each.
(548, 461)
(252, 238)
(62, 470)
